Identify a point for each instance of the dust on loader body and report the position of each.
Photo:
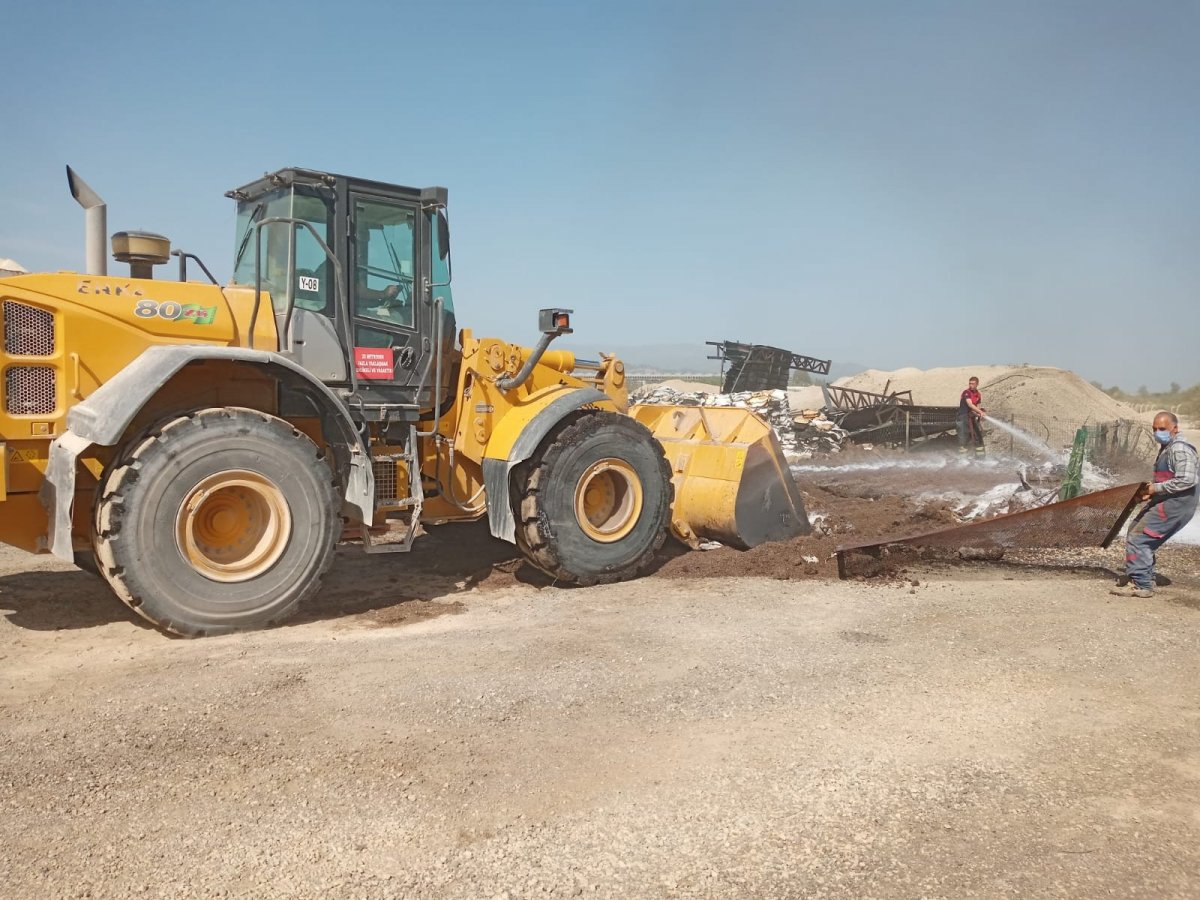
(202, 447)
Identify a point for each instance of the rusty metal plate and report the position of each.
(1091, 520)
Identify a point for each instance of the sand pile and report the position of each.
(809, 397)
(1042, 393)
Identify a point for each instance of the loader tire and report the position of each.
(86, 560)
(594, 501)
(221, 520)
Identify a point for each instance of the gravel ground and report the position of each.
(989, 732)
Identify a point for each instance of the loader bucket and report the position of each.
(732, 483)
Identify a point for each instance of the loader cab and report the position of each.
(358, 275)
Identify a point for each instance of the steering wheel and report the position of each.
(398, 294)
(397, 298)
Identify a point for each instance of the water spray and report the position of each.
(1027, 439)
(928, 464)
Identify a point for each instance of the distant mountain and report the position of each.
(681, 359)
(668, 358)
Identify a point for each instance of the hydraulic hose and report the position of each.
(507, 384)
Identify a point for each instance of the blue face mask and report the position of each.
(1162, 436)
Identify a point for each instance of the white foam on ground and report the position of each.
(1190, 534)
(992, 502)
(969, 507)
(1096, 479)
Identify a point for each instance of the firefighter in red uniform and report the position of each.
(970, 415)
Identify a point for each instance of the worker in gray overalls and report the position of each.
(1172, 502)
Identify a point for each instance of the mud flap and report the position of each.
(57, 492)
(732, 482)
(497, 471)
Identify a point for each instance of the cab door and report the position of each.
(385, 278)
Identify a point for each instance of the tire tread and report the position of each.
(124, 475)
(535, 536)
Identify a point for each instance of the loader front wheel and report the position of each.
(594, 501)
(218, 521)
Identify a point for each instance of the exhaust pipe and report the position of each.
(95, 223)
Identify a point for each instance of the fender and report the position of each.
(103, 417)
(520, 433)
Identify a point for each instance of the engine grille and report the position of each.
(30, 390)
(28, 331)
(386, 482)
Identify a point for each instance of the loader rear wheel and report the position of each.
(86, 561)
(217, 521)
(594, 500)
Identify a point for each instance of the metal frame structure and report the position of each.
(758, 367)
(846, 399)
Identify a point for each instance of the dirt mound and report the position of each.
(1042, 393)
(808, 397)
(844, 520)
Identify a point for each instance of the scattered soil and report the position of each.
(850, 508)
(855, 497)
(452, 559)
(845, 519)
(410, 613)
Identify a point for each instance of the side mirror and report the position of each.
(443, 228)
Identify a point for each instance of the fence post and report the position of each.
(1072, 485)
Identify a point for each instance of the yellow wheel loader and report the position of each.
(203, 447)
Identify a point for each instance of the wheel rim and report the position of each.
(608, 500)
(233, 526)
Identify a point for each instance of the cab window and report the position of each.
(314, 274)
(384, 248)
(313, 287)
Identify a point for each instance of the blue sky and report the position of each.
(917, 183)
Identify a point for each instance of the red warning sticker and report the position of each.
(376, 363)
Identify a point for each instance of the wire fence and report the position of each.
(1113, 444)
(635, 381)
(1155, 407)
